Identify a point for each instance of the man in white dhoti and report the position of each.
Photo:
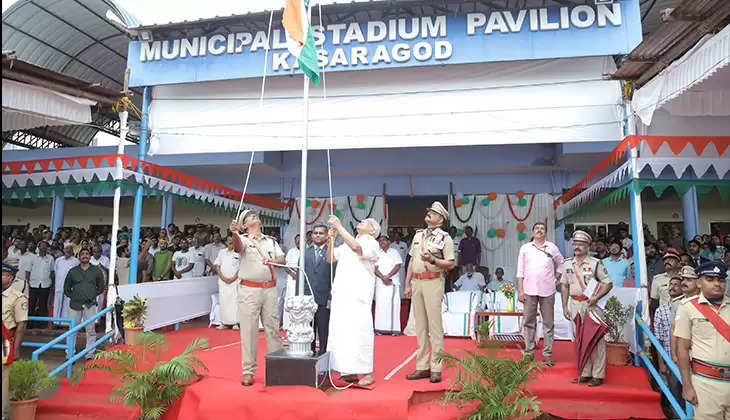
(61, 268)
(351, 338)
(401, 246)
(387, 286)
(225, 265)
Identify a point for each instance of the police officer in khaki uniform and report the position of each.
(659, 292)
(702, 330)
(432, 256)
(579, 271)
(15, 316)
(257, 289)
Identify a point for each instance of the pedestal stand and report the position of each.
(297, 365)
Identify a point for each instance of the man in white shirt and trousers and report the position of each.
(61, 268)
(471, 280)
(387, 288)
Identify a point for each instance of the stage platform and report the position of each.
(625, 394)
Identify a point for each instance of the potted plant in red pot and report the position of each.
(27, 379)
(617, 314)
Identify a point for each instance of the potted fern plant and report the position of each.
(617, 314)
(496, 385)
(27, 379)
(134, 315)
(151, 387)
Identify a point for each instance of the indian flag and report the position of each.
(299, 37)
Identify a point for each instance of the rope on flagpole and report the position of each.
(266, 60)
(245, 185)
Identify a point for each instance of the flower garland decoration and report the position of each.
(361, 205)
(520, 195)
(310, 203)
(460, 202)
(521, 234)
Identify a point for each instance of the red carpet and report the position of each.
(625, 394)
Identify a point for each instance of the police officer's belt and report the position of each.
(579, 298)
(258, 284)
(710, 370)
(427, 275)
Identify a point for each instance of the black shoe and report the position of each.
(549, 362)
(595, 382)
(581, 380)
(419, 374)
(435, 377)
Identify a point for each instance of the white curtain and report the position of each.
(27, 106)
(349, 214)
(502, 252)
(531, 101)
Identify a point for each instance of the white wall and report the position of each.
(83, 213)
(666, 209)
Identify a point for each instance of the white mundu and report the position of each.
(351, 336)
(228, 262)
(387, 298)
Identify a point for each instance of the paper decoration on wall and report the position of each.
(529, 210)
(522, 202)
(465, 200)
(522, 236)
(491, 233)
(500, 233)
(520, 194)
(108, 161)
(360, 198)
(315, 204)
(486, 201)
(458, 204)
(521, 227)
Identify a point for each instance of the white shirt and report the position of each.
(103, 261)
(153, 251)
(61, 268)
(474, 283)
(182, 259)
(402, 249)
(386, 261)
(228, 262)
(40, 271)
(292, 257)
(26, 260)
(197, 256)
(13, 257)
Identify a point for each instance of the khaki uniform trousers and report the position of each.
(6, 393)
(596, 366)
(427, 297)
(713, 398)
(254, 303)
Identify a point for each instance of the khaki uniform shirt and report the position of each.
(707, 343)
(15, 308)
(577, 275)
(251, 267)
(660, 288)
(436, 242)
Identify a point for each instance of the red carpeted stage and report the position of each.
(625, 394)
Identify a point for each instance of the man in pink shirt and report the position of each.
(539, 267)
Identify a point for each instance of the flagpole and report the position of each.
(303, 189)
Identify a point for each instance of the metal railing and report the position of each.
(70, 345)
(72, 357)
(643, 328)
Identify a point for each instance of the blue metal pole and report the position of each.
(690, 215)
(57, 208)
(137, 214)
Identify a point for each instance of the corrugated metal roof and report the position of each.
(71, 37)
(687, 23)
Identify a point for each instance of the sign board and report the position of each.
(495, 35)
